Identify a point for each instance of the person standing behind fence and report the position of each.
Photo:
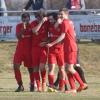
(23, 52)
(75, 4)
(36, 4)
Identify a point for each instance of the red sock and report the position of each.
(66, 82)
(51, 80)
(43, 75)
(71, 81)
(77, 77)
(61, 84)
(32, 78)
(37, 78)
(18, 76)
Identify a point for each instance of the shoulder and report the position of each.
(46, 23)
(34, 23)
(68, 22)
(19, 25)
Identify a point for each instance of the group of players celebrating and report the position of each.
(51, 39)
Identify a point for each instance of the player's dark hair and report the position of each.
(41, 13)
(24, 15)
(54, 15)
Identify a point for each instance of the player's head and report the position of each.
(52, 17)
(63, 13)
(25, 17)
(40, 14)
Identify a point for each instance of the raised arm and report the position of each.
(29, 3)
(37, 28)
(19, 32)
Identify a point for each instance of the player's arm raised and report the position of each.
(37, 28)
(19, 34)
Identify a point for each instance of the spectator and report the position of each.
(75, 4)
(36, 4)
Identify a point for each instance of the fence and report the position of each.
(87, 24)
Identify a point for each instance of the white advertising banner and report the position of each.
(86, 26)
(8, 27)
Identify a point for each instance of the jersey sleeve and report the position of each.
(33, 24)
(18, 28)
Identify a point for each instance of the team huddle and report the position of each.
(50, 39)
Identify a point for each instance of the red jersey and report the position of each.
(75, 4)
(70, 37)
(43, 33)
(24, 45)
(26, 40)
(53, 34)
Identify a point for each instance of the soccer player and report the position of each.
(23, 52)
(70, 50)
(78, 68)
(39, 52)
(56, 53)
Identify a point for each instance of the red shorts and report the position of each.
(23, 56)
(70, 57)
(56, 56)
(39, 55)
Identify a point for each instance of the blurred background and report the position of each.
(50, 4)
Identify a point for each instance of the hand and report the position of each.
(59, 21)
(42, 44)
(24, 25)
(23, 30)
(23, 10)
(44, 19)
(49, 45)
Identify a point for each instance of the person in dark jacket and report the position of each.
(36, 4)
